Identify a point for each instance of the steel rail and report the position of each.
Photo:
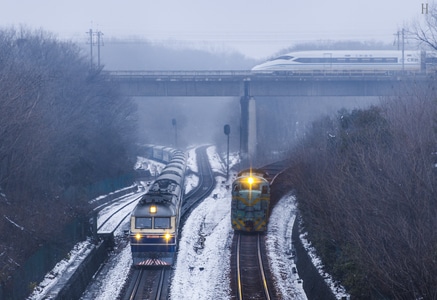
(240, 289)
(261, 267)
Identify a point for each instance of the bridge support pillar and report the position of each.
(248, 132)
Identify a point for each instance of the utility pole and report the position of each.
(99, 42)
(403, 50)
(91, 47)
(401, 35)
(99, 35)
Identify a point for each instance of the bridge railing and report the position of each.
(179, 73)
(247, 75)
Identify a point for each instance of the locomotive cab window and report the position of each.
(143, 223)
(264, 189)
(162, 223)
(247, 186)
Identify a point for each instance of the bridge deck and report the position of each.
(237, 83)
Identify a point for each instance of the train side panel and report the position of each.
(337, 62)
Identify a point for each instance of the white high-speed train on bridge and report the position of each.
(353, 61)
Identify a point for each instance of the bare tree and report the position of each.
(62, 128)
(425, 28)
(365, 183)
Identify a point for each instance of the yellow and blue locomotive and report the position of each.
(250, 201)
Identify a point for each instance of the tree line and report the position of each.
(366, 182)
(63, 127)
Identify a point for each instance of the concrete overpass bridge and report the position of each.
(247, 86)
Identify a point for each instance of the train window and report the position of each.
(315, 60)
(284, 57)
(264, 190)
(143, 223)
(245, 186)
(162, 223)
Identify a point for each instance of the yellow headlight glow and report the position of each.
(167, 236)
(250, 180)
(138, 236)
(153, 209)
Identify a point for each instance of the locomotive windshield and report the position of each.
(248, 186)
(143, 223)
(162, 223)
(149, 223)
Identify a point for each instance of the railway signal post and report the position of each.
(227, 130)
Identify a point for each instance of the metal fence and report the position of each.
(35, 268)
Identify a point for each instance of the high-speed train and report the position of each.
(155, 220)
(343, 61)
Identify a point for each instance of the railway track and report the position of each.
(274, 169)
(107, 225)
(204, 188)
(251, 278)
(250, 274)
(150, 283)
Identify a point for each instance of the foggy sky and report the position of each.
(258, 28)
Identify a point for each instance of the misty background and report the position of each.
(282, 121)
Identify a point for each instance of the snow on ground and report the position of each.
(76, 255)
(281, 252)
(112, 277)
(191, 180)
(203, 264)
(153, 166)
(338, 290)
(192, 160)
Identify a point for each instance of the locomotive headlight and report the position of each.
(167, 236)
(250, 180)
(138, 236)
(153, 209)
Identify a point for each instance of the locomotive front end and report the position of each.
(153, 237)
(250, 203)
